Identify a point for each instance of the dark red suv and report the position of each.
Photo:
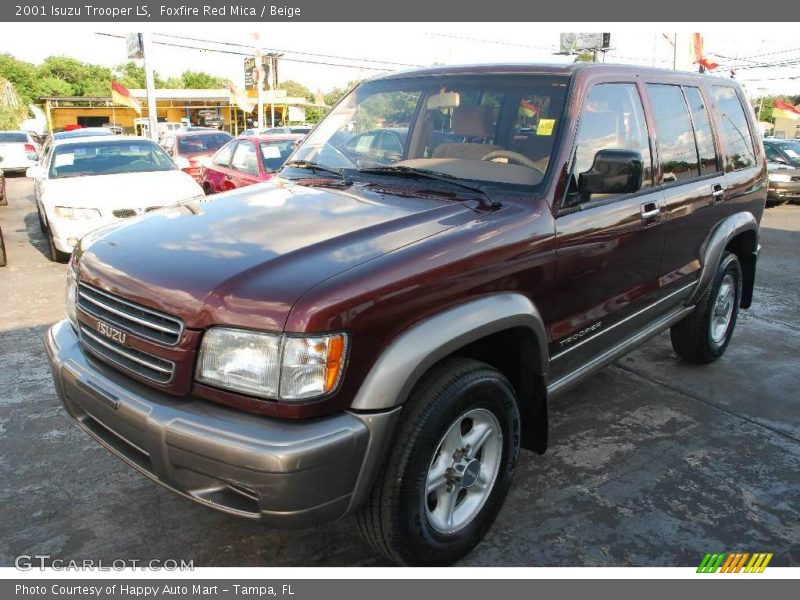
(377, 335)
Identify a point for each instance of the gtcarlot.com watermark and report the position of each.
(28, 562)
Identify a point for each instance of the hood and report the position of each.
(124, 190)
(243, 258)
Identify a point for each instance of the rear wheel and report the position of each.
(705, 333)
(56, 255)
(450, 468)
(42, 224)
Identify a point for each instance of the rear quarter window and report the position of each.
(13, 137)
(737, 141)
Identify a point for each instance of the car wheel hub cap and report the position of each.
(463, 470)
(723, 310)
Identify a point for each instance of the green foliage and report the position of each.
(12, 110)
(22, 74)
(767, 105)
(297, 90)
(198, 80)
(584, 57)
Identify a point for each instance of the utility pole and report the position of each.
(675, 52)
(150, 86)
(261, 80)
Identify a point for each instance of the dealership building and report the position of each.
(172, 105)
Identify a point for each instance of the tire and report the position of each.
(700, 337)
(3, 257)
(42, 224)
(463, 398)
(55, 254)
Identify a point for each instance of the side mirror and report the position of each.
(36, 172)
(613, 172)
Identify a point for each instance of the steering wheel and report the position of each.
(514, 158)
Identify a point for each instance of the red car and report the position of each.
(190, 148)
(247, 160)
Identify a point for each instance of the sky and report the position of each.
(372, 48)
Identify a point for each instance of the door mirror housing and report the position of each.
(613, 172)
(36, 172)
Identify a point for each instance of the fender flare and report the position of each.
(715, 245)
(415, 351)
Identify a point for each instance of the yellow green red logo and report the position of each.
(735, 562)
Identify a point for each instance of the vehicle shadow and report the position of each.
(35, 236)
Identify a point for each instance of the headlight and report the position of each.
(271, 366)
(72, 294)
(67, 212)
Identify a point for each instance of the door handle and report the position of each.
(228, 177)
(717, 193)
(650, 210)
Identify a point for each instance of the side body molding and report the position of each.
(408, 357)
(715, 245)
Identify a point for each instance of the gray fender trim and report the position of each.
(401, 365)
(715, 245)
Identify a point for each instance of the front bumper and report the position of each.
(783, 191)
(286, 473)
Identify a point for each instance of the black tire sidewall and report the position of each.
(490, 391)
(728, 265)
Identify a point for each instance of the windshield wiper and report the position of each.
(428, 174)
(316, 167)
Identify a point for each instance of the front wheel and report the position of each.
(56, 255)
(450, 468)
(705, 333)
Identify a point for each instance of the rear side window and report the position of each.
(702, 131)
(613, 119)
(223, 157)
(737, 140)
(676, 147)
(245, 159)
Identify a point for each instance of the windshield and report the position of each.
(108, 158)
(202, 143)
(791, 149)
(493, 128)
(13, 137)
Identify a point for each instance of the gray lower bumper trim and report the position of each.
(286, 473)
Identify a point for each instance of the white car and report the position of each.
(86, 183)
(18, 150)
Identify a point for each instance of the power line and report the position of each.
(235, 53)
(301, 52)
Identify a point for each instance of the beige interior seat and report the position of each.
(469, 122)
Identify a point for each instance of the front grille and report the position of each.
(124, 213)
(133, 318)
(130, 359)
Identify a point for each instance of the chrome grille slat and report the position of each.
(130, 359)
(133, 318)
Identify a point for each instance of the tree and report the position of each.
(20, 73)
(12, 110)
(296, 90)
(198, 80)
(585, 56)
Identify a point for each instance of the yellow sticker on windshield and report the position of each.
(545, 127)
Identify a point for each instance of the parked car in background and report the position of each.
(784, 183)
(189, 149)
(18, 150)
(85, 183)
(114, 128)
(784, 153)
(380, 341)
(247, 160)
(209, 118)
(302, 129)
(166, 127)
